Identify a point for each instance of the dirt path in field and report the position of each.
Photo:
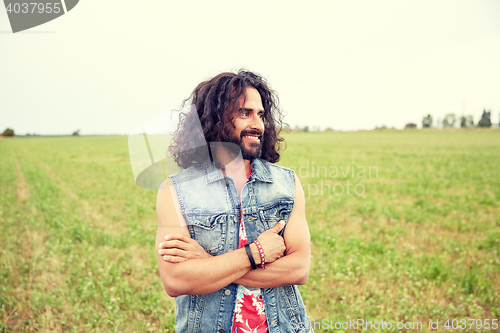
(22, 189)
(26, 258)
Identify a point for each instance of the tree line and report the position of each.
(451, 120)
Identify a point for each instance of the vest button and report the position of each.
(227, 292)
(222, 330)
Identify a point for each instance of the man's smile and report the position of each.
(252, 138)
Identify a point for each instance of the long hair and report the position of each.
(213, 102)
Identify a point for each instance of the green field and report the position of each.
(414, 235)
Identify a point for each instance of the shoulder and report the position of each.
(187, 171)
(280, 171)
(187, 174)
(182, 180)
(277, 167)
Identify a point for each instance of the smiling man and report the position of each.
(233, 241)
(248, 124)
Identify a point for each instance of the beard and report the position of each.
(252, 150)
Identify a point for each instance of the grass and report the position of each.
(413, 238)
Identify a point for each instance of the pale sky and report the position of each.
(107, 66)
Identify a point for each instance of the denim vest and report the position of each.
(210, 204)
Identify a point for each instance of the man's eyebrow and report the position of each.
(249, 110)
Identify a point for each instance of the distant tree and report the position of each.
(76, 133)
(469, 121)
(466, 121)
(485, 119)
(463, 121)
(328, 129)
(427, 121)
(306, 129)
(411, 125)
(383, 127)
(8, 132)
(449, 120)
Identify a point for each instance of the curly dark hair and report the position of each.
(213, 107)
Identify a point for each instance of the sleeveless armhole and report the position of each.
(173, 193)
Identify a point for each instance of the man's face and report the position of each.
(249, 124)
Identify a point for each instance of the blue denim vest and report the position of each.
(211, 206)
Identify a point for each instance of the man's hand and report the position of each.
(178, 248)
(272, 243)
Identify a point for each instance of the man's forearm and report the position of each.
(288, 270)
(206, 275)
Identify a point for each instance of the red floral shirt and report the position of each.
(249, 311)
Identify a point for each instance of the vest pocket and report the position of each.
(209, 231)
(272, 215)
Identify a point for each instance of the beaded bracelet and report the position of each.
(261, 252)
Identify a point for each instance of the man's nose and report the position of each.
(257, 122)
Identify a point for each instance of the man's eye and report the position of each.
(244, 113)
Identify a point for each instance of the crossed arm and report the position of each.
(186, 269)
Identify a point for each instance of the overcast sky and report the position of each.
(107, 66)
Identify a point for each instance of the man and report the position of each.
(233, 240)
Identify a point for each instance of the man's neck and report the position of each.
(247, 166)
(235, 166)
(237, 169)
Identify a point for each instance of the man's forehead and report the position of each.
(250, 93)
(242, 99)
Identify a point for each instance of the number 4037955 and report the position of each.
(472, 323)
(34, 7)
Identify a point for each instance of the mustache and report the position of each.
(258, 133)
